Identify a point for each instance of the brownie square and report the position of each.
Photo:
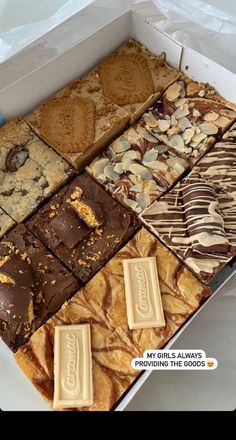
(30, 171)
(33, 286)
(83, 226)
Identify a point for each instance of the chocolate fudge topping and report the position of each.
(84, 250)
(33, 286)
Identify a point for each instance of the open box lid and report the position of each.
(69, 27)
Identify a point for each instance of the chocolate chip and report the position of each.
(16, 158)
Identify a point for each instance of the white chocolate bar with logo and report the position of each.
(73, 382)
(142, 291)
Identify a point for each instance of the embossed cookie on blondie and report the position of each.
(133, 78)
(189, 118)
(101, 303)
(30, 171)
(137, 168)
(78, 121)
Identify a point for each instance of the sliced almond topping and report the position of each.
(177, 142)
(228, 113)
(196, 113)
(131, 154)
(145, 134)
(140, 171)
(110, 173)
(132, 136)
(184, 123)
(180, 102)
(172, 121)
(181, 111)
(211, 116)
(143, 200)
(150, 120)
(163, 124)
(97, 166)
(173, 130)
(188, 135)
(222, 122)
(121, 144)
(150, 155)
(118, 168)
(126, 164)
(173, 92)
(199, 138)
(208, 128)
(156, 165)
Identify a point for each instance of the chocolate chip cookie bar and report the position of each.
(33, 286)
(83, 226)
(189, 118)
(6, 223)
(137, 168)
(196, 219)
(101, 303)
(78, 121)
(133, 78)
(30, 171)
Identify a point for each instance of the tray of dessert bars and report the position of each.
(117, 223)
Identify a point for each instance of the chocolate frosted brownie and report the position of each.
(137, 168)
(133, 78)
(101, 303)
(30, 171)
(196, 219)
(78, 121)
(83, 226)
(33, 286)
(189, 118)
(6, 223)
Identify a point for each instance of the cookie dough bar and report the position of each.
(30, 171)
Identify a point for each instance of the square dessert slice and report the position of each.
(133, 78)
(137, 168)
(102, 304)
(83, 226)
(30, 171)
(33, 286)
(195, 220)
(112, 373)
(6, 223)
(78, 121)
(189, 118)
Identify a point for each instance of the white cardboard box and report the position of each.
(36, 73)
